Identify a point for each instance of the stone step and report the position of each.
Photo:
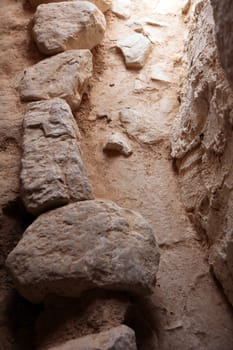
(68, 25)
(53, 173)
(65, 75)
(103, 5)
(82, 246)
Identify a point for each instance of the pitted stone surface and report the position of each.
(85, 245)
(103, 5)
(118, 338)
(52, 172)
(68, 25)
(65, 75)
(135, 49)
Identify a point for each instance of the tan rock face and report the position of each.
(53, 173)
(68, 25)
(135, 49)
(103, 5)
(65, 75)
(202, 143)
(85, 245)
(119, 338)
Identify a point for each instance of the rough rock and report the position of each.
(223, 14)
(68, 25)
(135, 49)
(65, 75)
(103, 5)
(119, 338)
(221, 260)
(202, 141)
(122, 8)
(85, 245)
(118, 143)
(52, 173)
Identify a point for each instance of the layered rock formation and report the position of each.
(202, 143)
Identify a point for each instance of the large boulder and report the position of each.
(68, 25)
(103, 5)
(118, 338)
(85, 245)
(65, 75)
(53, 173)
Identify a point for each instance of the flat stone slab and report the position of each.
(85, 245)
(65, 75)
(103, 5)
(53, 173)
(135, 50)
(118, 338)
(68, 25)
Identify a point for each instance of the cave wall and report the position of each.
(202, 142)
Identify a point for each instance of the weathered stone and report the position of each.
(68, 25)
(122, 8)
(117, 143)
(135, 49)
(103, 5)
(85, 245)
(119, 338)
(65, 75)
(52, 172)
(221, 260)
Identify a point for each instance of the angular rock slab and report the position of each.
(65, 75)
(53, 173)
(85, 245)
(68, 25)
(103, 5)
(118, 338)
(135, 49)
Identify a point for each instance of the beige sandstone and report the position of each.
(85, 245)
(65, 75)
(53, 173)
(68, 25)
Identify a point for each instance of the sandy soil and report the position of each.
(190, 311)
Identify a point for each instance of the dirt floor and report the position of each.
(191, 312)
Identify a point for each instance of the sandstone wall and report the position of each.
(202, 145)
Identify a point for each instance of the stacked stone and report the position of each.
(77, 243)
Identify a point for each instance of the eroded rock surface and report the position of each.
(135, 49)
(65, 75)
(103, 5)
(85, 245)
(53, 173)
(68, 25)
(119, 338)
(202, 143)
